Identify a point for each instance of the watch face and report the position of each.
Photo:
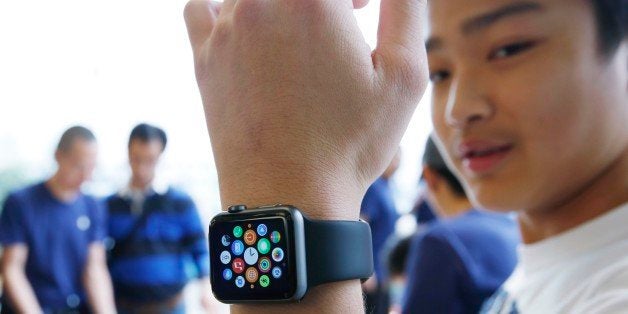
(251, 257)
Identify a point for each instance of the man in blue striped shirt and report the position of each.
(155, 235)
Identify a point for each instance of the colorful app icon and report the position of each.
(239, 281)
(237, 231)
(237, 247)
(250, 237)
(275, 236)
(250, 256)
(261, 230)
(263, 246)
(237, 265)
(276, 272)
(225, 257)
(277, 254)
(226, 240)
(227, 274)
(264, 264)
(264, 281)
(251, 274)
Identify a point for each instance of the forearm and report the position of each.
(326, 202)
(20, 292)
(99, 289)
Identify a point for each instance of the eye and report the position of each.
(439, 76)
(510, 50)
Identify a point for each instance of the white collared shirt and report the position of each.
(583, 270)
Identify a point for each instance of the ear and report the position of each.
(57, 156)
(431, 178)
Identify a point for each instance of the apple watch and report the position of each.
(275, 253)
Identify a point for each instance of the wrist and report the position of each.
(319, 195)
(337, 297)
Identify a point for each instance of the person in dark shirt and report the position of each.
(54, 258)
(378, 209)
(460, 260)
(156, 233)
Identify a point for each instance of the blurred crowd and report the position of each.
(131, 252)
(455, 260)
(136, 250)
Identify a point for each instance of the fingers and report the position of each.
(358, 4)
(200, 17)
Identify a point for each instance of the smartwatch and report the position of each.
(275, 253)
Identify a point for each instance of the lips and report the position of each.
(482, 157)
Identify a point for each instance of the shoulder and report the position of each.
(432, 249)
(20, 197)
(437, 235)
(483, 222)
(612, 278)
(28, 192)
(115, 202)
(178, 196)
(179, 200)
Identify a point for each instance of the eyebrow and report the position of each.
(485, 20)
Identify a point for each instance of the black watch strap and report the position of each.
(337, 250)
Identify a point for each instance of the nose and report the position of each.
(467, 103)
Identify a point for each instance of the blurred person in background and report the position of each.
(397, 258)
(422, 211)
(52, 234)
(460, 260)
(156, 234)
(379, 210)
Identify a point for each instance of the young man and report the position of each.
(461, 259)
(529, 104)
(155, 233)
(54, 259)
(532, 109)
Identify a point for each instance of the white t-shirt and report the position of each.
(583, 270)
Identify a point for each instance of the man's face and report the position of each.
(77, 164)
(525, 105)
(143, 158)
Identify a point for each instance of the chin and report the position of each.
(493, 198)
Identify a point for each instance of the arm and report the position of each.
(301, 111)
(19, 290)
(97, 281)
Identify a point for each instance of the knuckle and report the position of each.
(408, 71)
(248, 12)
(303, 7)
(221, 33)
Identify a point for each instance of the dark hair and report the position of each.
(612, 23)
(433, 159)
(73, 134)
(146, 133)
(398, 256)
